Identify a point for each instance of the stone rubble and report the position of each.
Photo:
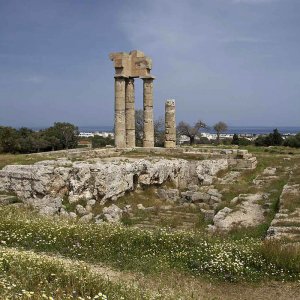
(230, 178)
(286, 223)
(267, 175)
(112, 213)
(207, 169)
(247, 212)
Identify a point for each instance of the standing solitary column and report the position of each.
(120, 134)
(148, 138)
(170, 124)
(130, 113)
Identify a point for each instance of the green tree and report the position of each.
(219, 128)
(244, 142)
(293, 141)
(62, 135)
(25, 140)
(40, 143)
(235, 139)
(192, 132)
(9, 140)
(273, 139)
(276, 137)
(52, 140)
(100, 141)
(261, 141)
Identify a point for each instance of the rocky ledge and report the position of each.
(47, 185)
(103, 179)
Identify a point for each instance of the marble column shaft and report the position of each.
(130, 113)
(170, 124)
(148, 137)
(120, 129)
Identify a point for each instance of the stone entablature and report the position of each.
(133, 64)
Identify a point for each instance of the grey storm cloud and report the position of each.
(231, 60)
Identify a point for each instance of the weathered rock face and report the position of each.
(102, 180)
(112, 214)
(47, 205)
(207, 169)
(168, 194)
(286, 224)
(230, 178)
(247, 213)
(267, 175)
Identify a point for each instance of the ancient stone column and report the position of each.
(130, 113)
(120, 129)
(170, 124)
(148, 137)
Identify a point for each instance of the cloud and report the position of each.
(253, 1)
(241, 39)
(35, 79)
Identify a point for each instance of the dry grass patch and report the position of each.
(21, 159)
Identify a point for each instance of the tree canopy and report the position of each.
(186, 129)
(273, 139)
(219, 128)
(24, 140)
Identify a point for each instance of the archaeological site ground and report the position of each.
(151, 223)
(172, 222)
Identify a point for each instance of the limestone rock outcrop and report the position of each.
(112, 213)
(248, 212)
(286, 223)
(99, 181)
(207, 169)
(77, 189)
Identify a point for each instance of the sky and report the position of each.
(236, 61)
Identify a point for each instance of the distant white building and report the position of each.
(183, 139)
(104, 134)
(86, 134)
(92, 134)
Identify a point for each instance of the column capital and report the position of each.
(150, 77)
(121, 76)
(130, 79)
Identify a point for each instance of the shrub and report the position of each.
(293, 141)
(100, 141)
(273, 139)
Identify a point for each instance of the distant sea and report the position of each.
(231, 129)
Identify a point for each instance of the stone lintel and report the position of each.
(134, 64)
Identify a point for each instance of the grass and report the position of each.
(146, 196)
(142, 250)
(291, 201)
(27, 275)
(241, 256)
(201, 223)
(20, 159)
(71, 207)
(272, 150)
(245, 185)
(171, 222)
(274, 188)
(186, 156)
